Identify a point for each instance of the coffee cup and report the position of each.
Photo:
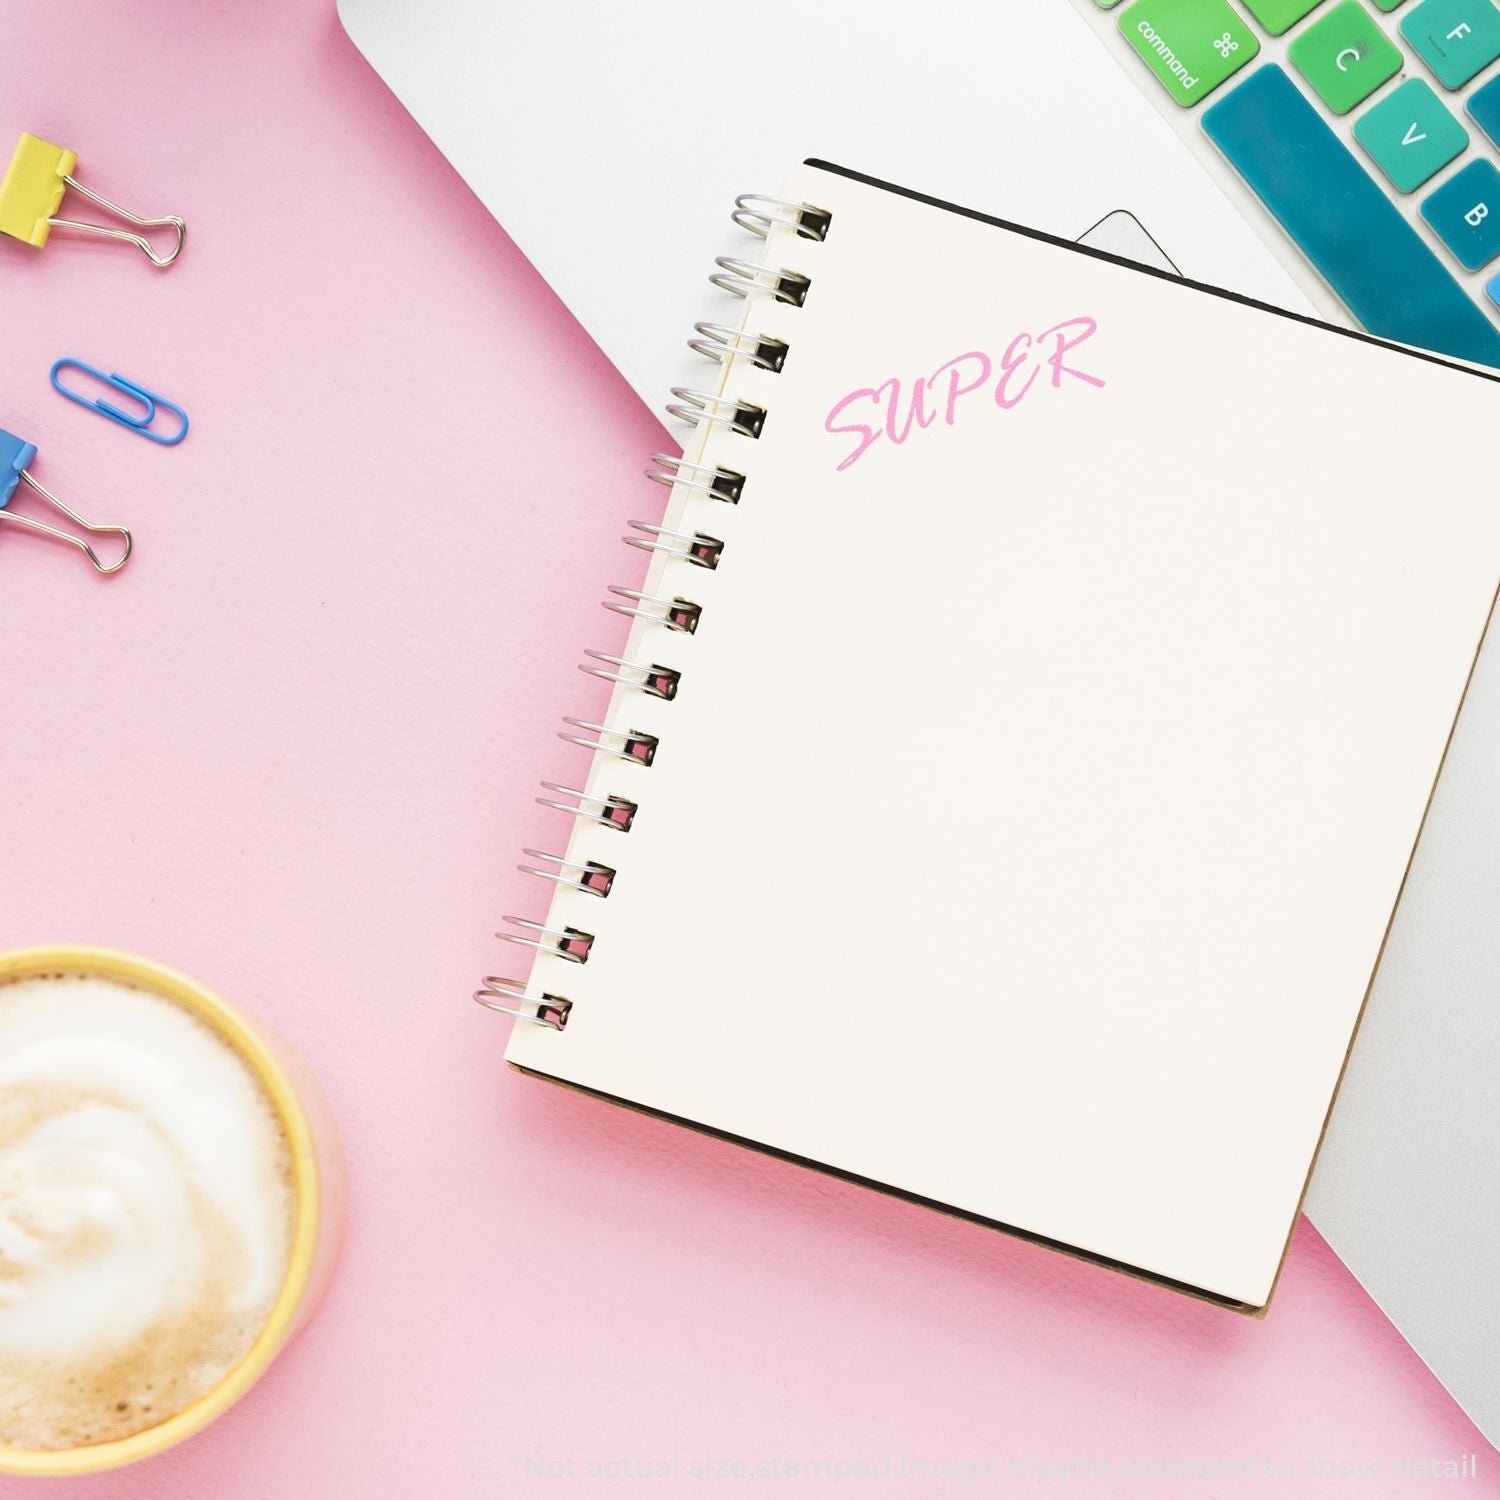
(171, 1200)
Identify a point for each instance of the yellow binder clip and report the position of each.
(31, 192)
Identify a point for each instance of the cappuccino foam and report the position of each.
(146, 1210)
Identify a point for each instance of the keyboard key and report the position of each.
(1379, 266)
(1465, 211)
(1492, 290)
(1191, 45)
(1345, 56)
(1410, 134)
(1388, 4)
(1278, 15)
(1456, 38)
(1484, 109)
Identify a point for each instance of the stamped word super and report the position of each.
(895, 409)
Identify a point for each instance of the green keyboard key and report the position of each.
(1410, 134)
(1279, 15)
(1345, 56)
(1457, 38)
(1191, 45)
(1388, 4)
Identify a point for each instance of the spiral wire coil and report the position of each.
(759, 215)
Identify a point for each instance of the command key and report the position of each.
(1191, 45)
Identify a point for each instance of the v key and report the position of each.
(1411, 134)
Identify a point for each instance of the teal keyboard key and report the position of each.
(1456, 38)
(1465, 211)
(1377, 264)
(1484, 109)
(1410, 134)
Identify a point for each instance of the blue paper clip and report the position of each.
(141, 424)
(16, 458)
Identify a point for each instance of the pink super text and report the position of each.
(895, 409)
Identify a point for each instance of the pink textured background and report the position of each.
(293, 749)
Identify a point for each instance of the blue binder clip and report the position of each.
(128, 388)
(15, 460)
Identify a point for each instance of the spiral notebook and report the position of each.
(1025, 725)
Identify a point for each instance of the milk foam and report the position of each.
(146, 1210)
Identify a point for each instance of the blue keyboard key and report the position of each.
(1492, 290)
(1466, 212)
(1376, 263)
(1484, 109)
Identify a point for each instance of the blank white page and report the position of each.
(1027, 825)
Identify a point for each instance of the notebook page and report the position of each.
(1026, 827)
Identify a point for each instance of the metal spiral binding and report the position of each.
(742, 277)
(635, 745)
(609, 812)
(699, 407)
(693, 547)
(571, 943)
(657, 680)
(543, 1010)
(586, 875)
(718, 342)
(676, 613)
(760, 214)
(722, 344)
(721, 484)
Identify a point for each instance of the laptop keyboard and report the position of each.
(1365, 114)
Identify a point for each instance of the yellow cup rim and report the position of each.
(208, 1007)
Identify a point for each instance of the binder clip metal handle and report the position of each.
(166, 221)
(15, 459)
(145, 423)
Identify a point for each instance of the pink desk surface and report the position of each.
(292, 749)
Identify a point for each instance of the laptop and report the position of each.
(1327, 156)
